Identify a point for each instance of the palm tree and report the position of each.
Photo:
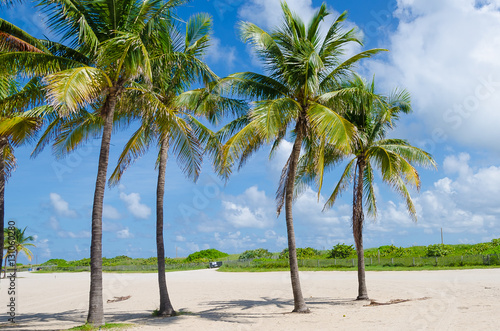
(302, 70)
(115, 42)
(17, 242)
(16, 127)
(166, 120)
(373, 115)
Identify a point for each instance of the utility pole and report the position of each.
(176, 251)
(442, 242)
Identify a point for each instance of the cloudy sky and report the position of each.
(444, 52)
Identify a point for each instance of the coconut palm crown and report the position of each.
(293, 100)
(374, 115)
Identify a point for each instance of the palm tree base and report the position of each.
(166, 314)
(363, 297)
(301, 311)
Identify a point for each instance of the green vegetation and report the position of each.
(340, 257)
(107, 326)
(255, 254)
(341, 251)
(343, 257)
(302, 253)
(206, 255)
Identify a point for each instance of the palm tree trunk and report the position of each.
(96, 310)
(357, 228)
(166, 308)
(2, 201)
(298, 300)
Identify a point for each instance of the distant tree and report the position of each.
(16, 243)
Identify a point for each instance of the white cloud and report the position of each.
(42, 246)
(110, 212)
(111, 227)
(180, 238)
(233, 240)
(466, 202)
(124, 234)
(271, 236)
(218, 53)
(192, 247)
(252, 209)
(268, 14)
(446, 54)
(134, 205)
(61, 206)
(281, 155)
(54, 223)
(73, 235)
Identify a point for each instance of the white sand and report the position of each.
(450, 300)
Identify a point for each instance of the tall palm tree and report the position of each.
(167, 119)
(373, 115)
(17, 242)
(115, 42)
(302, 69)
(16, 127)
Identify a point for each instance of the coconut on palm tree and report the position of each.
(373, 115)
(292, 101)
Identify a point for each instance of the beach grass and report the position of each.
(107, 326)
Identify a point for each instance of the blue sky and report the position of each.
(444, 52)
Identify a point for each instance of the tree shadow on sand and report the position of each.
(246, 311)
(238, 312)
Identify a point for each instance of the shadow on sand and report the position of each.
(232, 311)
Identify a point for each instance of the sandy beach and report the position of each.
(211, 300)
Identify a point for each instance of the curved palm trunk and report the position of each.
(2, 202)
(166, 308)
(298, 300)
(96, 310)
(357, 228)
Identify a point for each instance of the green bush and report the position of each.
(255, 254)
(205, 255)
(341, 251)
(439, 250)
(302, 253)
(80, 263)
(57, 262)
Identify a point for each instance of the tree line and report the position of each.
(124, 61)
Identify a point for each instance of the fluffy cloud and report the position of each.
(61, 206)
(281, 155)
(134, 205)
(466, 201)
(445, 53)
(252, 209)
(73, 235)
(124, 234)
(54, 223)
(110, 212)
(218, 53)
(42, 246)
(180, 238)
(232, 240)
